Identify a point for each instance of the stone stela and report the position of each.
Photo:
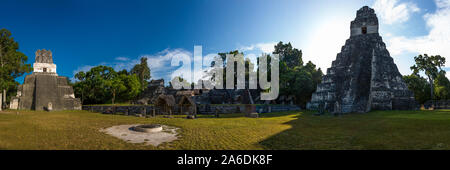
(44, 89)
(364, 76)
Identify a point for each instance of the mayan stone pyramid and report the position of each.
(44, 89)
(364, 76)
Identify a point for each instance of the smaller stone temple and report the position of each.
(44, 89)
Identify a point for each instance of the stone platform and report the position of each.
(364, 76)
(44, 89)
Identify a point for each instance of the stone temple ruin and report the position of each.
(205, 96)
(44, 89)
(364, 76)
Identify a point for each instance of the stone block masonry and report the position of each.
(364, 76)
(44, 89)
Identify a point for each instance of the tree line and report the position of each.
(296, 77)
(12, 65)
(436, 85)
(103, 84)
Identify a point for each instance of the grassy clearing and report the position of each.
(288, 130)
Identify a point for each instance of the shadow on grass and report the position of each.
(285, 140)
(373, 130)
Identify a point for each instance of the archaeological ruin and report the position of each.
(364, 76)
(44, 89)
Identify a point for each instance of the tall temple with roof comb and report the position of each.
(364, 76)
(44, 89)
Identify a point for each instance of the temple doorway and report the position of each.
(364, 30)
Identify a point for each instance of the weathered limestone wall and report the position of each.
(14, 104)
(27, 91)
(364, 76)
(49, 68)
(437, 104)
(40, 89)
(365, 18)
(44, 89)
(372, 29)
(47, 92)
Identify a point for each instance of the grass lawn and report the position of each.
(288, 130)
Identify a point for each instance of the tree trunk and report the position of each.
(4, 97)
(1, 102)
(114, 96)
(431, 88)
(82, 97)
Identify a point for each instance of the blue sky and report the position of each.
(82, 34)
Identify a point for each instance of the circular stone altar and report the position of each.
(150, 128)
(149, 134)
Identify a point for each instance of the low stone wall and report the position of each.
(127, 110)
(201, 109)
(437, 104)
(211, 109)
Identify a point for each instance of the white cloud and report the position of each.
(264, 47)
(195, 74)
(163, 58)
(391, 11)
(436, 42)
(159, 63)
(122, 58)
(82, 68)
(442, 3)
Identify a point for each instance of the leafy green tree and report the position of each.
(295, 78)
(420, 86)
(80, 88)
(132, 87)
(431, 66)
(102, 84)
(441, 86)
(97, 89)
(115, 85)
(299, 83)
(316, 73)
(288, 54)
(143, 72)
(124, 71)
(224, 59)
(12, 63)
(92, 85)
